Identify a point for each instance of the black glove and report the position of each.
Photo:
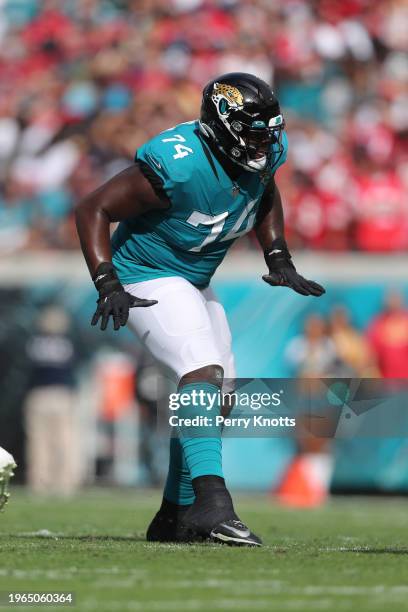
(282, 271)
(113, 299)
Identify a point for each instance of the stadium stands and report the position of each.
(84, 82)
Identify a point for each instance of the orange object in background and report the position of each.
(306, 482)
(116, 382)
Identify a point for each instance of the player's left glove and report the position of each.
(113, 301)
(282, 272)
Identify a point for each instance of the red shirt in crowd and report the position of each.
(382, 213)
(388, 335)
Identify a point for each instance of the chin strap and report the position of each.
(257, 167)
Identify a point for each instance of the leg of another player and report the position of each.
(7, 466)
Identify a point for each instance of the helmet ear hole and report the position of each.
(236, 126)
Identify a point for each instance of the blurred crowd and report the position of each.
(83, 83)
(334, 347)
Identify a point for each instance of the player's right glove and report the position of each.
(113, 300)
(282, 272)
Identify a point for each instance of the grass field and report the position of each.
(351, 555)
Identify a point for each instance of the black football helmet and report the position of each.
(242, 115)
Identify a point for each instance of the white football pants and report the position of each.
(186, 330)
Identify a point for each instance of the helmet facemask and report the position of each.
(256, 140)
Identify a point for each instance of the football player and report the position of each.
(7, 466)
(194, 189)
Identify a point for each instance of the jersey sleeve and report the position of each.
(154, 179)
(150, 156)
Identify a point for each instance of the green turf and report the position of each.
(350, 555)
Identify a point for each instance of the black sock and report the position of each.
(207, 485)
(168, 507)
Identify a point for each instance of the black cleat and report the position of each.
(234, 533)
(167, 526)
(212, 516)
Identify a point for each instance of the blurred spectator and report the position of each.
(352, 348)
(313, 353)
(306, 480)
(381, 219)
(84, 82)
(50, 417)
(115, 376)
(15, 217)
(151, 394)
(388, 336)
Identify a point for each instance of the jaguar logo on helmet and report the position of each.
(227, 98)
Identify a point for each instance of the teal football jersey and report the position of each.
(208, 211)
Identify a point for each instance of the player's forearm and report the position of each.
(271, 224)
(270, 233)
(93, 230)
